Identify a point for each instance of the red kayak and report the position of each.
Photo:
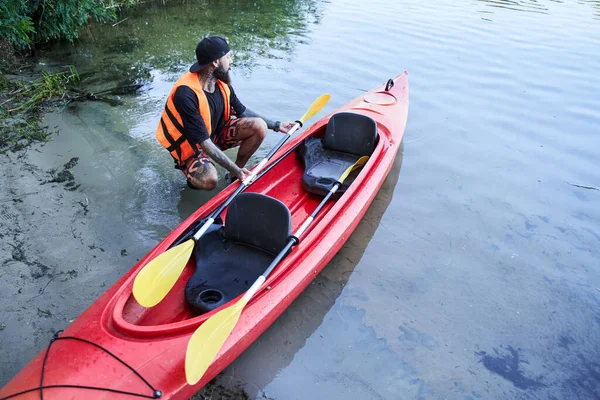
(118, 349)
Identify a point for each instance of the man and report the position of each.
(196, 125)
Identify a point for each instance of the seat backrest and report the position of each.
(351, 133)
(258, 220)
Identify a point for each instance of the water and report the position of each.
(476, 272)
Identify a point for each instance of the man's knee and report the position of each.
(260, 128)
(200, 174)
(204, 183)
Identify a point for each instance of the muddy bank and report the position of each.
(53, 260)
(63, 243)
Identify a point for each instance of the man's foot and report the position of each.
(229, 179)
(191, 186)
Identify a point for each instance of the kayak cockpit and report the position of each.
(348, 137)
(228, 259)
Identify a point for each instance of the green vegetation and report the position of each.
(48, 87)
(23, 24)
(26, 22)
(21, 106)
(17, 134)
(15, 24)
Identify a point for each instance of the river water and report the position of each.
(476, 272)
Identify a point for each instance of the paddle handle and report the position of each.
(332, 191)
(296, 126)
(286, 136)
(254, 288)
(204, 228)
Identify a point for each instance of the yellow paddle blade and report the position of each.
(208, 339)
(361, 161)
(158, 277)
(315, 107)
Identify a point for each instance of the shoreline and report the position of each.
(51, 255)
(62, 246)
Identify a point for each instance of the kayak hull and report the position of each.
(153, 341)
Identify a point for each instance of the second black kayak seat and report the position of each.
(230, 258)
(348, 137)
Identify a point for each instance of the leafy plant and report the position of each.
(15, 24)
(62, 19)
(25, 22)
(15, 135)
(49, 86)
(21, 104)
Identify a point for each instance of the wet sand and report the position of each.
(63, 245)
(56, 255)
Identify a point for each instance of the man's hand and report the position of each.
(242, 174)
(286, 126)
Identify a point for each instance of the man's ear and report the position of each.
(215, 63)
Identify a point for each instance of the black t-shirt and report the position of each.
(186, 104)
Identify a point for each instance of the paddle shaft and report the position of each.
(211, 335)
(294, 240)
(247, 182)
(187, 235)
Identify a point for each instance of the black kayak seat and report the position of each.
(230, 258)
(348, 137)
(351, 133)
(258, 220)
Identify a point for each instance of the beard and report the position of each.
(222, 75)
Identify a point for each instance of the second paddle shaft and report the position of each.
(292, 242)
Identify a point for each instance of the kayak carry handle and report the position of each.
(389, 85)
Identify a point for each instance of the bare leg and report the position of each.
(250, 132)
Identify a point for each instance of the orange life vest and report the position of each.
(170, 129)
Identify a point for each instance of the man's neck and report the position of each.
(207, 81)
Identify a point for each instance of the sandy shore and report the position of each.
(62, 246)
(53, 263)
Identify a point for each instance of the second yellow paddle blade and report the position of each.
(315, 107)
(158, 277)
(359, 163)
(208, 339)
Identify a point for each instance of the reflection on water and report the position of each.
(532, 6)
(163, 36)
(527, 6)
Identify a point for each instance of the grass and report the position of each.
(22, 104)
(17, 134)
(49, 87)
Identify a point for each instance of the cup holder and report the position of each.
(325, 181)
(209, 299)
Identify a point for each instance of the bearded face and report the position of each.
(222, 74)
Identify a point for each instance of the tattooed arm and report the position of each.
(273, 125)
(219, 157)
